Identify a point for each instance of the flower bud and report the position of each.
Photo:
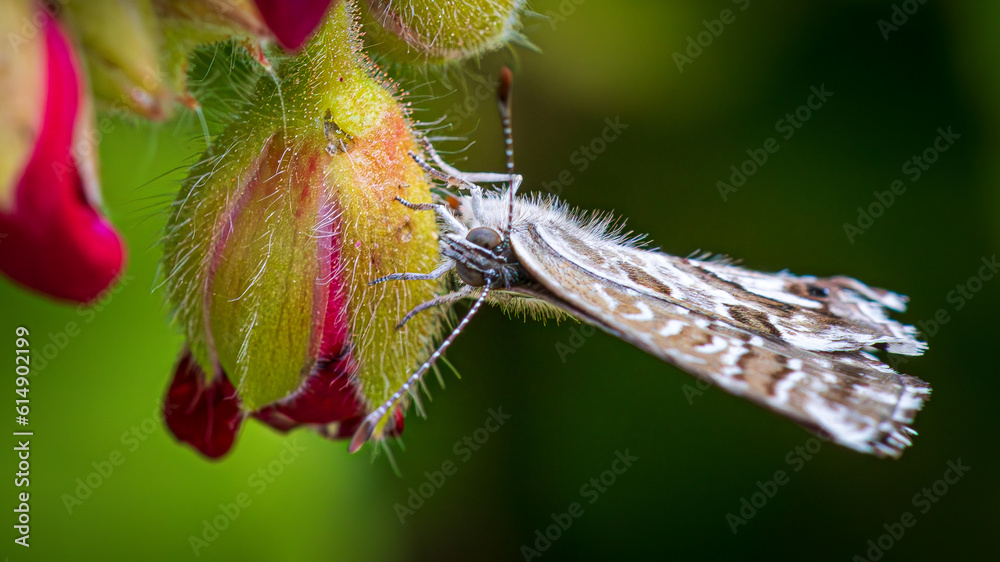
(22, 87)
(440, 32)
(274, 238)
(122, 39)
(189, 24)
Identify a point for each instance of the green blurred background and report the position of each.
(697, 458)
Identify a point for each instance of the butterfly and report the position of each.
(800, 346)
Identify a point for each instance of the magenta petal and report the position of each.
(204, 414)
(326, 396)
(292, 21)
(53, 240)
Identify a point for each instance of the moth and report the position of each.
(800, 346)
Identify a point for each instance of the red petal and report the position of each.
(55, 241)
(328, 395)
(292, 21)
(204, 414)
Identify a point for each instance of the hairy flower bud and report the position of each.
(440, 32)
(189, 24)
(272, 243)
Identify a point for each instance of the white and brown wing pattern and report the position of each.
(797, 345)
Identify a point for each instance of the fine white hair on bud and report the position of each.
(429, 31)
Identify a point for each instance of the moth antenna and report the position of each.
(503, 103)
(367, 427)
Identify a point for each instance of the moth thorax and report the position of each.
(484, 238)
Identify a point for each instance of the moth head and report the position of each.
(484, 238)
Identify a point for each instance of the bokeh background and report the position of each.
(698, 455)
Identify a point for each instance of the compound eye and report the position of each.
(472, 277)
(484, 237)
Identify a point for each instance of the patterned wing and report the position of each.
(796, 345)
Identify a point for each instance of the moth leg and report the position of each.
(489, 177)
(452, 176)
(444, 166)
(442, 211)
(450, 172)
(515, 182)
(450, 179)
(476, 196)
(460, 294)
(438, 272)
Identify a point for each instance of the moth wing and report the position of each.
(834, 314)
(848, 395)
(854, 306)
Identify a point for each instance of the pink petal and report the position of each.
(292, 21)
(53, 240)
(328, 395)
(202, 413)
